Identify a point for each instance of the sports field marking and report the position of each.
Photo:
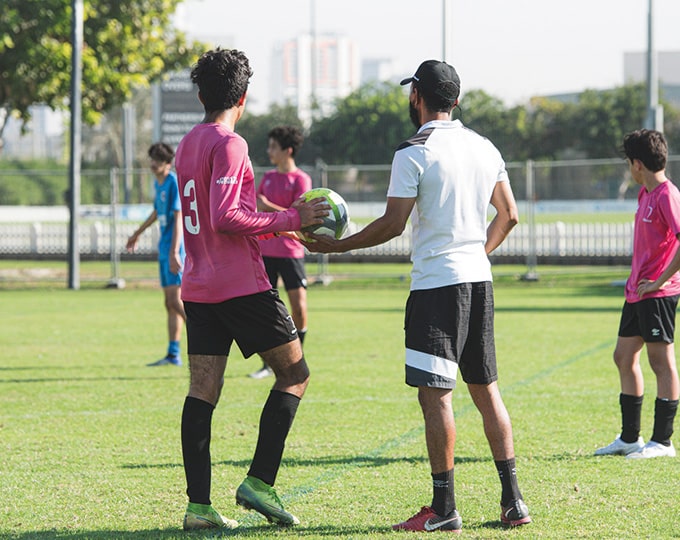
(333, 473)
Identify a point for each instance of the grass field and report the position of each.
(89, 436)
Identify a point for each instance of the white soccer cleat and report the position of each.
(620, 448)
(653, 449)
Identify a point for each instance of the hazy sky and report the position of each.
(512, 49)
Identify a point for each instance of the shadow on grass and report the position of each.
(243, 531)
(326, 461)
(81, 379)
(558, 309)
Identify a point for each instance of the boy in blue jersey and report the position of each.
(166, 209)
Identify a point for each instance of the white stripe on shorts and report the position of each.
(431, 364)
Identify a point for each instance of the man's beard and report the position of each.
(413, 113)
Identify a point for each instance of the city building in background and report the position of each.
(312, 72)
(338, 71)
(668, 63)
(44, 137)
(379, 70)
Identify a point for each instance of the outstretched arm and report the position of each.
(379, 231)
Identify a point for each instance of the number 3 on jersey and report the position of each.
(191, 222)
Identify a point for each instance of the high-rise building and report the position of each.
(378, 70)
(668, 69)
(311, 72)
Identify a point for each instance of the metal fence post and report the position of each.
(323, 277)
(531, 274)
(116, 282)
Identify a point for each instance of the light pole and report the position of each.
(654, 118)
(75, 134)
(446, 27)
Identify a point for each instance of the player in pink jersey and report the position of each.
(284, 256)
(227, 294)
(652, 292)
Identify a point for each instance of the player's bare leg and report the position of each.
(440, 427)
(627, 359)
(497, 425)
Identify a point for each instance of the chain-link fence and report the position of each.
(571, 211)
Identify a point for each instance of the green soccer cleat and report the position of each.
(204, 516)
(254, 494)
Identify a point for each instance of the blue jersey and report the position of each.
(166, 204)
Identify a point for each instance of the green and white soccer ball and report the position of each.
(336, 222)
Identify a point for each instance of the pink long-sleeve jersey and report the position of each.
(220, 219)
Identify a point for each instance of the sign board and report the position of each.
(176, 108)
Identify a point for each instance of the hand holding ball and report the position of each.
(336, 222)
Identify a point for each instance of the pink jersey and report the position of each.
(282, 189)
(657, 224)
(220, 217)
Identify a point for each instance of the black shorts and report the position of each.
(447, 329)
(652, 319)
(291, 270)
(257, 323)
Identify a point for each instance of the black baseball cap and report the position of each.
(438, 78)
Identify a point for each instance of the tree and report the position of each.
(126, 45)
(602, 118)
(366, 127)
(255, 129)
(507, 128)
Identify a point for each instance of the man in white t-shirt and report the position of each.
(444, 177)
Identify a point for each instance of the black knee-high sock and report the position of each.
(301, 335)
(631, 409)
(275, 421)
(508, 475)
(664, 416)
(196, 422)
(443, 494)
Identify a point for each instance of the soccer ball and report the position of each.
(336, 222)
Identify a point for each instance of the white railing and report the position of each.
(559, 239)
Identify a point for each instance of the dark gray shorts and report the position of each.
(257, 323)
(291, 270)
(447, 329)
(653, 319)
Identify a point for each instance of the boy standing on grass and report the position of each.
(227, 294)
(166, 210)
(652, 292)
(448, 175)
(284, 256)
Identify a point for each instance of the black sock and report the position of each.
(443, 495)
(301, 335)
(631, 409)
(196, 421)
(508, 475)
(664, 415)
(275, 421)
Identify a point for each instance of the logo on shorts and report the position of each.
(291, 325)
(656, 332)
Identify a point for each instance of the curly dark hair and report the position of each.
(647, 145)
(222, 77)
(161, 152)
(288, 137)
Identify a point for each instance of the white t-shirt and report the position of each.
(452, 171)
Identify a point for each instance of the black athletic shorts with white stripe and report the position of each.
(447, 329)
